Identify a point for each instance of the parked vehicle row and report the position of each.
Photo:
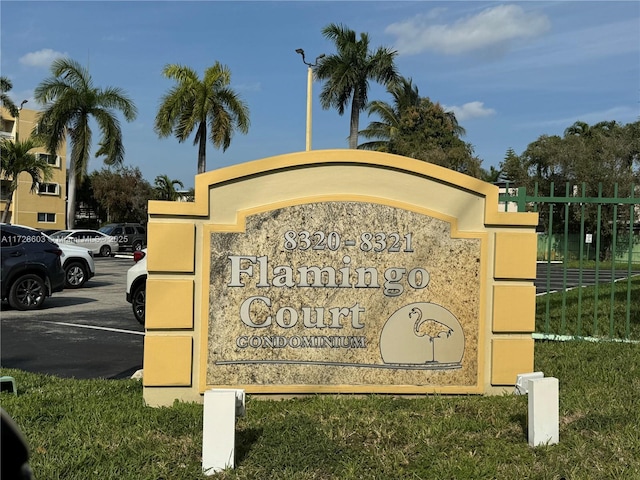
(30, 270)
(77, 262)
(36, 265)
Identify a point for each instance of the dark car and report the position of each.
(31, 267)
(130, 236)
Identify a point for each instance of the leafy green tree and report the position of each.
(201, 104)
(406, 101)
(598, 158)
(349, 71)
(86, 199)
(122, 194)
(165, 188)
(630, 144)
(16, 158)
(601, 154)
(5, 100)
(414, 126)
(71, 101)
(427, 133)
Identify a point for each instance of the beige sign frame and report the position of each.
(176, 348)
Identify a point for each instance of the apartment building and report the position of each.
(44, 208)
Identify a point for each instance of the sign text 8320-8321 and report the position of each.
(367, 242)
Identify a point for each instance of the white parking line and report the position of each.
(94, 327)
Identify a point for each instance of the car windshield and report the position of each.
(61, 234)
(106, 229)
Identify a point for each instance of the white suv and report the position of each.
(137, 284)
(77, 263)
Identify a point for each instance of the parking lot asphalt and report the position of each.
(554, 278)
(88, 332)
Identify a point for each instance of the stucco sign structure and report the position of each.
(337, 271)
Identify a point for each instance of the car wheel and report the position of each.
(75, 275)
(138, 301)
(27, 293)
(137, 246)
(105, 251)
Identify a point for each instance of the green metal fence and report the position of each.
(588, 279)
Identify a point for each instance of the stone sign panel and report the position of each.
(343, 293)
(337, 271)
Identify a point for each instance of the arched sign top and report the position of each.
(346, 157)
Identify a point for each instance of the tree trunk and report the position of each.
(71, 197)
(202, 149)
(354, 124)
(5, 214)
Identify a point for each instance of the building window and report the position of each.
(5, 187)
(52, 160)
(46, 217)
(48, 189)
(6, 127)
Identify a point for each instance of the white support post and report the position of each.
(522, 382)
(221, 406)
(544, 408)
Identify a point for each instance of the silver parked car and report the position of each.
(97, 242)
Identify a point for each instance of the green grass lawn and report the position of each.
(100, 429)
(588, 315)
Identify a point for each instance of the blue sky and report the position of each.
(510, 71)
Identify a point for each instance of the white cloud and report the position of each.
(491, 30)
(41, 58)
(470, 110)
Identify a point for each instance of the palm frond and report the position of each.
(5, 100)
(18, 158)
(111, 146)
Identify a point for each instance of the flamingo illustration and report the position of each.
(405, 337)
(429, 327)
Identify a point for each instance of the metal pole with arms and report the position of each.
(309, 95)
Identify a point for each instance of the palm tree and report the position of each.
(16, 158)
(349, 71)
(579, 129)
(405, 96)
(70, 101)
(201, 104)
(5, 100)
(165, 188)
